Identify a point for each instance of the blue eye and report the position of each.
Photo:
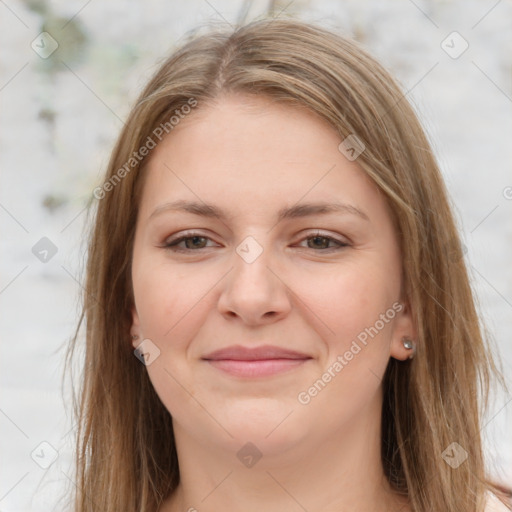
(195, 241)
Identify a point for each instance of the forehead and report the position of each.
(248, 152)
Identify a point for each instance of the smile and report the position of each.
(262, 361)
(259, 368)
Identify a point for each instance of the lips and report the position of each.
(261, 361)
(266, 352)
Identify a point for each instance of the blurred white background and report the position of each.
(60, 115)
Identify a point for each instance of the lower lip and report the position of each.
(258, 368)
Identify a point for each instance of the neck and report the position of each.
(343, 472)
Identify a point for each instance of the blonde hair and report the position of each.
(126, 457)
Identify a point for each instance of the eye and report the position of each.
(194, 241)
(321, 241)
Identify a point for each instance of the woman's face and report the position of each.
(274, 320)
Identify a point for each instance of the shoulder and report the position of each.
(494, 504)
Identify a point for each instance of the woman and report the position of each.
(278, 312)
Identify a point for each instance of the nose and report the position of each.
(255, 291)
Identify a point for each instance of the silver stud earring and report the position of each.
(135, 337)
(409, 345)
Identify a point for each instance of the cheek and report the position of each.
(165, 297)
(169, 304)
(348, 301)
(357, 306)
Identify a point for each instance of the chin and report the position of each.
(270, 424)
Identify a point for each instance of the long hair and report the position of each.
(125, 454)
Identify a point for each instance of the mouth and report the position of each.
(255, 362)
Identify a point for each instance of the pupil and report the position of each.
(316, 238)
(194, 239)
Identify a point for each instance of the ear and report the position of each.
(135, 328)
(404, 326)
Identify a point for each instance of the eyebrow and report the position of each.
(292, 212)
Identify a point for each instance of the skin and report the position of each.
(252, 157)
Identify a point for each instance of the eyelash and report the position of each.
(172, 244)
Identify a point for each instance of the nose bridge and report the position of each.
(250, 249)
(253, 290)
(251, 263)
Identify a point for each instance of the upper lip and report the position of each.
(240, 353)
